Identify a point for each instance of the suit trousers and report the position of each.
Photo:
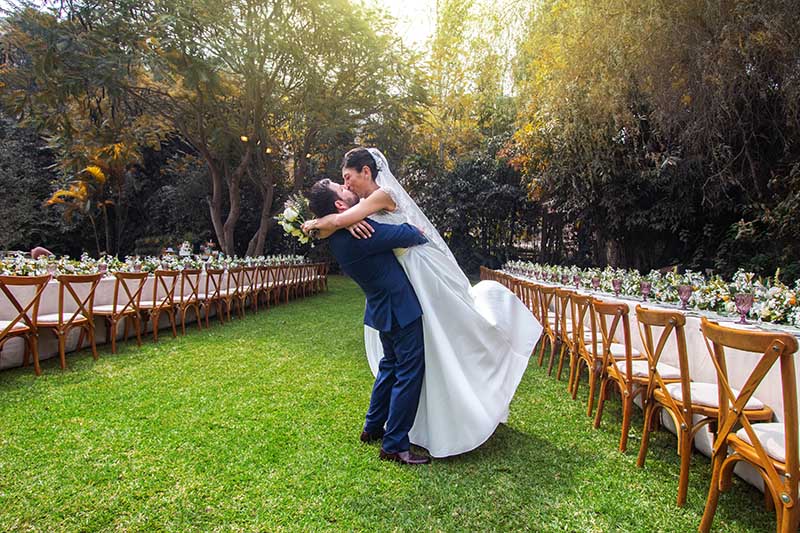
(395, 395)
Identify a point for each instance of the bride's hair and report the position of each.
(358, 158)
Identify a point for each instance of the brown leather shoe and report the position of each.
(367, 437)
(405, 458)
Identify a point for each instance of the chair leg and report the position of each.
(561, 364)
(172, 321)
(34, 347)
(790, 519)
(627, 411)
(545, 338)
(593, 377)
(685, 439)
(576, 380)
(92, 341)
(197, 316)
(112, 332)
(62, 342)
(713, 493)
(601, 401)
(649, 412)
(183, 320)
(138, 325)
(552, 358)
(154, 319)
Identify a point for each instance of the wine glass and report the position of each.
(645, 287)
(743, 301)
(564, 279)
(595, 283)
(684, 293)
(576, 279)
(616, 283)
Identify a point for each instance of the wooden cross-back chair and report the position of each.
(190, 296)
(323, 272)
(583, 334)
(164, 282)
(549, 318)
(247, 289)
(82, 317)
(771, 448)
(654, 376)
(230, 294)
(123, 306)
(23, 323)
(597, 356)
(563, 327)
(213, 294)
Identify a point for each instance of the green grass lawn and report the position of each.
(254, 426)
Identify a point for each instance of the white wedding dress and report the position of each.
(478, 340)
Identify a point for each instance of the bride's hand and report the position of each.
(308, 225)
(361, 230)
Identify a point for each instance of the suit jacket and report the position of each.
(391, 299)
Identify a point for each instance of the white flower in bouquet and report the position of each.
(289, 214)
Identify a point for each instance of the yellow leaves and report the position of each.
(96, 172)
(76, 191)
(686, 100)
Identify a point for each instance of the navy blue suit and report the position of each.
(394, 310)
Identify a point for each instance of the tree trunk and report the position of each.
(255, 247)
(234, 198)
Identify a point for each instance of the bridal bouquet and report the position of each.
(295, 212)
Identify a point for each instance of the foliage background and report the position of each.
(624, 133)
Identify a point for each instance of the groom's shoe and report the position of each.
(367, 437)
(406, 458)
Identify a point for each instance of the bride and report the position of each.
(477, 339)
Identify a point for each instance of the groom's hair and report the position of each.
(322, 199)
(358, 158)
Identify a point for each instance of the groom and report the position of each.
(392, 309)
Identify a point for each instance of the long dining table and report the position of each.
(13, 351)
(701, 367)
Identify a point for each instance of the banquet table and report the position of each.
(740, 364)
(13, 350)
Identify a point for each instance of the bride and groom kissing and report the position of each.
(447, 356)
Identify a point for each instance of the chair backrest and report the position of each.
(247, 279)
(132, 284)
(610, 316)
(213, 283)
(671, 324)
(190, 284)
(564, 309)
(166, 281)
(581, 316)
(546, 301)
(72, 285)
(24, 302)
(773, 347)
(530, 297)
(234, 281)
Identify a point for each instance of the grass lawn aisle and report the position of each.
(254, 426)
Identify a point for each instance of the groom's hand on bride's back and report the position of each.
(361, 230)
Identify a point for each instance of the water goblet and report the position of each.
(616, 284)
(576, 279)
(102, 268)
(743, 301)
(684, 293)
(595, 283)
(645, 287)
(564, 279)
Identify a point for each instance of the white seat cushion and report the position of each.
(149, 304)
(772, 437)
(706, 394)
(109, 308)
(617, 349)
(52, 318)
(641, 369)
(19, 326)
